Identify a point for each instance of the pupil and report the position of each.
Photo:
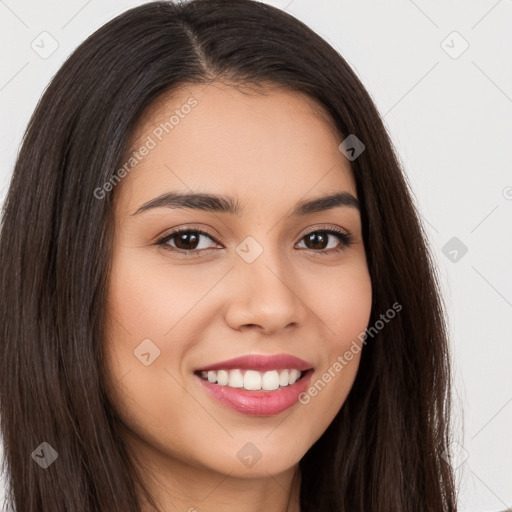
(322, 237)
(182, 239)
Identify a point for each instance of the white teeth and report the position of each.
(294, 376)
(222, 377)
(252, 379)
(270, 380)
(236, 379)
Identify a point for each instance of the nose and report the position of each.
(265, 295)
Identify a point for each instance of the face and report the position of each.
(265, 281)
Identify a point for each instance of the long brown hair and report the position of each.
(383, 451)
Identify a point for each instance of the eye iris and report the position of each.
(182, 239)
(317, 235)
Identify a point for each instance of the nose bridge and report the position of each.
(263, 292)
(260, 255)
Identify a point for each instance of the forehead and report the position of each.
(267, 144)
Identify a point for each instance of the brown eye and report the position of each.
(318, 240)
(185, 240)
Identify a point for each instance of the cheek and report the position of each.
(147, 296)
(140, 311)
(143, 305)
(343, 307)
(343, 303)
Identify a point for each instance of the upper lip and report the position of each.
(260, 362)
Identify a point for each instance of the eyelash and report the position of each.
(346, 239)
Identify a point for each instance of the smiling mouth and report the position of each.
(253, 380)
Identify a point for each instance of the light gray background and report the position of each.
(449, 115)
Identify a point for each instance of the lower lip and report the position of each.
(258, 403)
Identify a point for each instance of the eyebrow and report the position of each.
(228, 204)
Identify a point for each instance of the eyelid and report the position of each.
(316, 227)
(325, 227)
(177, 230)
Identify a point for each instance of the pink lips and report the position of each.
(258, 403)
(260, 363)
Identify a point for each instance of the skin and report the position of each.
(269, 151)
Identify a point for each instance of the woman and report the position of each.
(297, 361)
